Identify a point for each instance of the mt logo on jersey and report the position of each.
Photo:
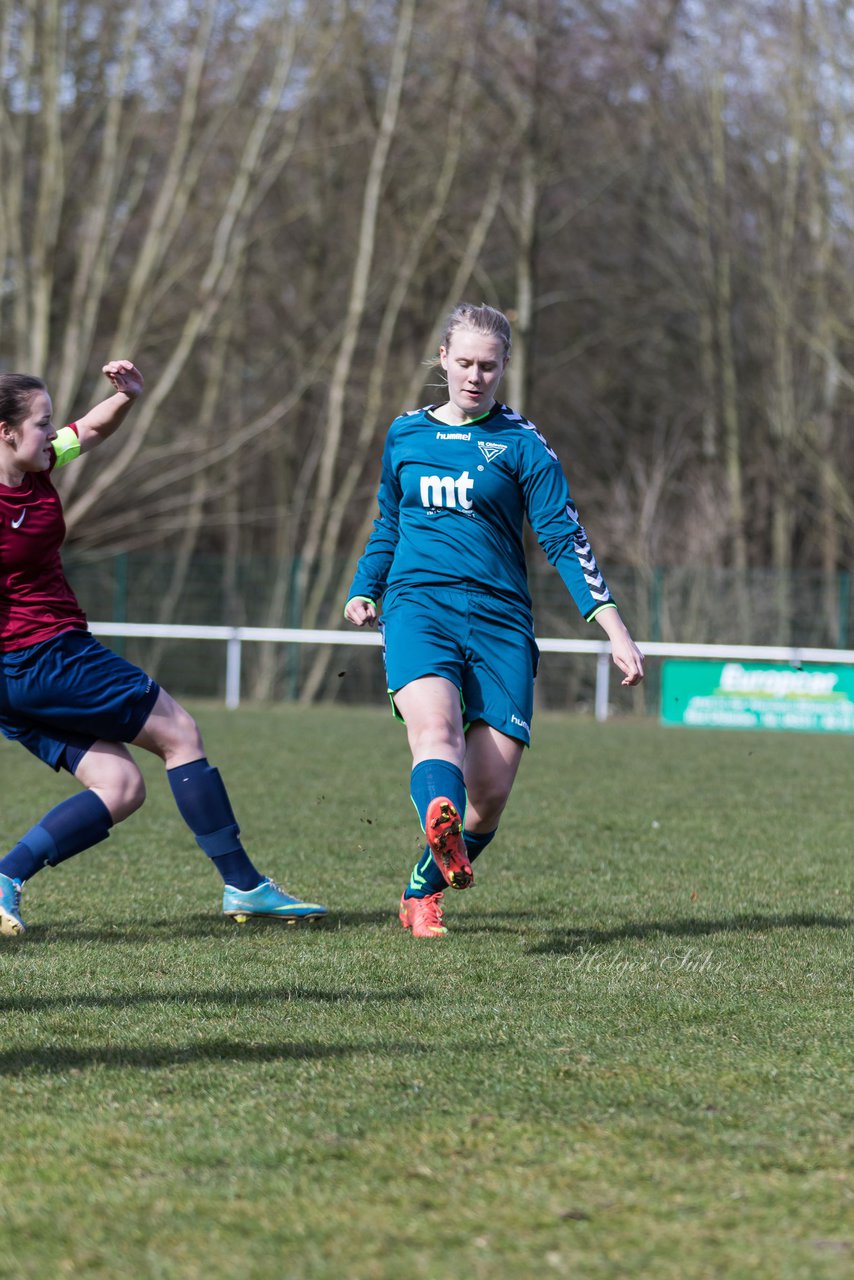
(447, 491)
(490, 450)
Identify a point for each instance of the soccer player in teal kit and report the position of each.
(75, 703)
(446, 556)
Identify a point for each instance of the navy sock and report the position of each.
(238, 870)
(433, 778)
(72, 826)
(203, 803)
(476, 842)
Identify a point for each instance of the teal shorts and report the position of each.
(473, 640)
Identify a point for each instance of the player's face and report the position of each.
(30, 442)
(474, 363)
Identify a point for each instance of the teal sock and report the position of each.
(433, 778)
(426, 877)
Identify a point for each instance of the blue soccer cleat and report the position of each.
(11, 924)
(267, 900)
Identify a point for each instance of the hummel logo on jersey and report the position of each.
(16, 524)
(453, 435)
(447, 491)
(490, 450)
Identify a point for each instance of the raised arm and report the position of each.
(102, 420)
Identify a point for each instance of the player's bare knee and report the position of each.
(134, 797)
(488, 804)
(191, 737)
(182, 739)
(436, 736)
(128, 794)
(123, 791)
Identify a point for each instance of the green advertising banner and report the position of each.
(751, 695)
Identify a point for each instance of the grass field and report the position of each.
(631, 1057)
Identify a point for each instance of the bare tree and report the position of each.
(273, 209)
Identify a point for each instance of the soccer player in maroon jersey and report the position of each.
(73, 702)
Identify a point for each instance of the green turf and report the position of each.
(631, 1057)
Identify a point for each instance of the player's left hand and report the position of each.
(124, 376)
(628, 657)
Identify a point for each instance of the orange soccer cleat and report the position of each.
(444, 831)
(423, 915)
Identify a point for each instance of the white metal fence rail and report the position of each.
(235, 637)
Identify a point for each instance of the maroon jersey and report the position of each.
(36, 601)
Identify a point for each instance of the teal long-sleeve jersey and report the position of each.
(452, 506)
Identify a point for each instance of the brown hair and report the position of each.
(16, 391)
(483, 319)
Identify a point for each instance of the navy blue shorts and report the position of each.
(478, 643)
(59, 697)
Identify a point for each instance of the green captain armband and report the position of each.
(66, 446)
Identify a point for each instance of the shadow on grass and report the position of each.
(176, 928)
(204, 925)
(564, 941)
(16, 1062)
(533, 914)
(512, 923)
(196, 925)
(238, 996)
